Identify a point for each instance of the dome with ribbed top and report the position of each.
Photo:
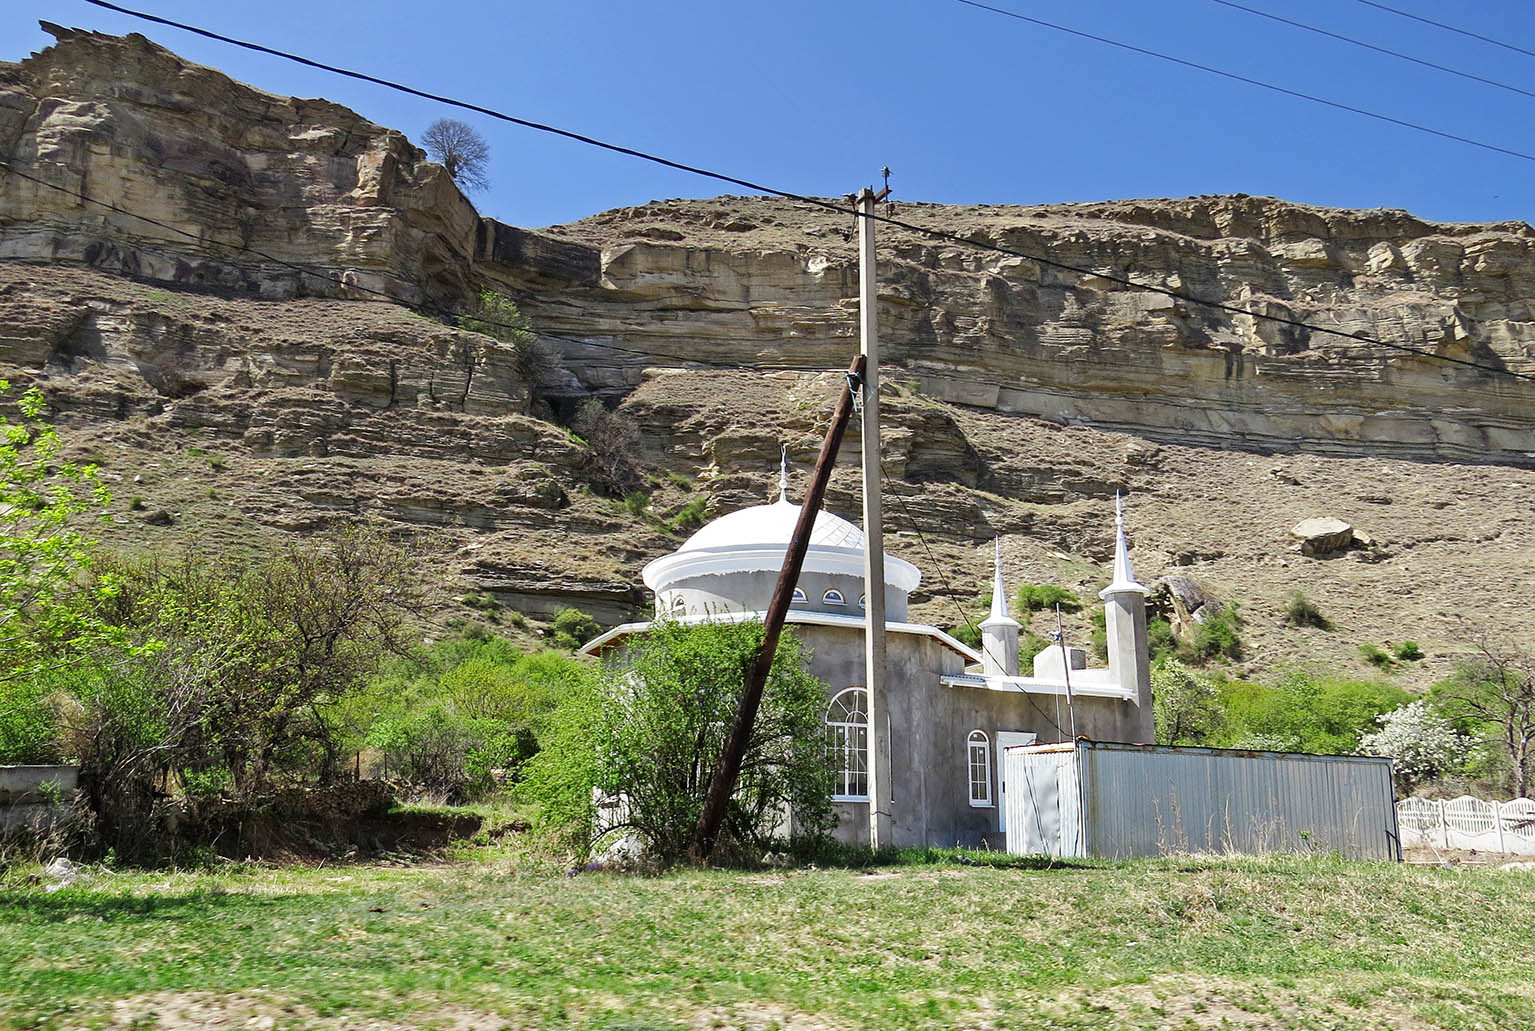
(754, 540)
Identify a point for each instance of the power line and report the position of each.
(829, 205)
(1233, 76)
(1378, 49)
(963, 614)
(1449, 28)
(334, 277)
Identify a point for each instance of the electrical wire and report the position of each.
(963, 614)
(335, 277)
(1235, 77)
(1449, 28)
(1378, 49)
(840, 208)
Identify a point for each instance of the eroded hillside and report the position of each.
(234, 401)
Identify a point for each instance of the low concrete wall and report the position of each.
(32, 796)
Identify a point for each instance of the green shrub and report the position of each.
(649, 732)
(465, 713)
(1160, 640)
(967, 634)
(572, 628)
(136, 504)
(216, 462)
(690, 516)
(1186, 704)
(636, 502)
(1303, 713)
(1300, 611)
(1217, 636)
(1408, 651)
(1045, 597)
(29, 723)
(1376, 656)
(1099, 637)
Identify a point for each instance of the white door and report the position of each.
(1006, 739)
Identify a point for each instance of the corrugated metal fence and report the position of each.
(1118, 800)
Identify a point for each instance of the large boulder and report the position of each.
(1323, 535)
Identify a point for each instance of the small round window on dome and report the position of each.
(863, 602)
(799, 597)
(833, 597)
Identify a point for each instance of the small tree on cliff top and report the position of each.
(461, 150)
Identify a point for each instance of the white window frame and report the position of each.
(799, 597)
(978, 741)
(847, 744)
(863, 602)
(833, 597)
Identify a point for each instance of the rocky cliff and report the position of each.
(234, 399)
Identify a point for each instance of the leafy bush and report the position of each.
(968, 634)
(1186, 705)
(690, 516)
(646, 735)
(1376, 656)
(1408, 651)
(499, 318)
(464, 715)
(615, 443)
(1218, 635)
(1303, 713)
(1160, 639)
(1301, 611)
(572, 628)
(1423, 743)
(29, 723)
(1043, 597)
(636, 502)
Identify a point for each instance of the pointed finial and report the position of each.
(783, 474)
(999, 614)
(1124, 576)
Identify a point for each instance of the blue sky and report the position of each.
(965, 106)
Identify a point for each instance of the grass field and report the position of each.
(1305, 943)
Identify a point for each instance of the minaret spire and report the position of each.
(998, 590)
(783, 474)
(999, 634)
(1124, 576)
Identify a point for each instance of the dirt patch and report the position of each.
(206, 1011)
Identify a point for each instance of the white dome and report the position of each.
(773, 524)
(754, 539)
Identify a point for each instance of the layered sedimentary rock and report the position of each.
(233, 402)
(244, 188)
(772, 283)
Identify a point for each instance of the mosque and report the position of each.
(951, 708)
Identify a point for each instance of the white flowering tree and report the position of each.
(1423, 743)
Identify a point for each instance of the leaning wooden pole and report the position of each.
(722, 783)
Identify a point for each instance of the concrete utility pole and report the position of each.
(880, 820)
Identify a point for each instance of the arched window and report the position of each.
(678, 603)
(863, 602)
(847, 744)
(978, 762)
(833, 597)
(799, 597)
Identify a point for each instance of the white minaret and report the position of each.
(1125, 619)
(999, 634)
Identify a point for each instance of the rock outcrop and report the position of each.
(232, 401)
(772, 283)
(267, 195)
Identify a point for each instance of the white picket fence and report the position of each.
(1468, 823)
